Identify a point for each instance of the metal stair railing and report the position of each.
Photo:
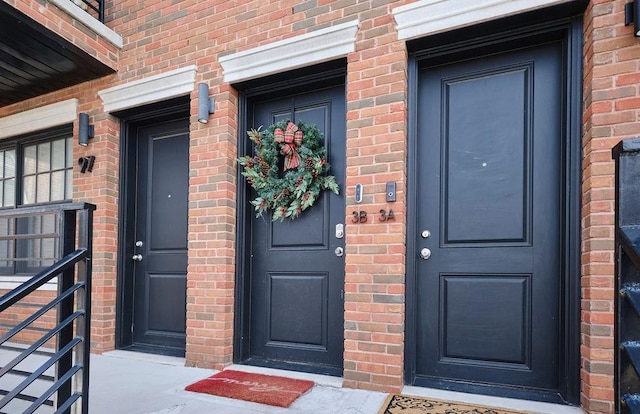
(627, 302)
(68, 387)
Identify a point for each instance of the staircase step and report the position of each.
(633, 351)
(632, 401)
(632, 293)
(21, 371)
(33, 391)
(630, 241)
(19, 406)
(27, 365)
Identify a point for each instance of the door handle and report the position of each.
(425, 253)
(137, 257)
(339, 251)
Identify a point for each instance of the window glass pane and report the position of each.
(34, 252)
(48, 223)
(29, 190)
(42, 193)
(68, 187)
(9, 193)
(44, 157)
(4, 253)
(7, 181)
(29, 160)
(69, 153)
(10, 164)
(58, 155)
(48, 252)
(57, 186)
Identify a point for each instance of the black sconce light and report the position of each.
(205, 103)
(85, 130)
(632, 15)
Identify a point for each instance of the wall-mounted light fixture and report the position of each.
(206, 104)
(632, 15)
(85, 130)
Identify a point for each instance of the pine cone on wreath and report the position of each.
(309, 164)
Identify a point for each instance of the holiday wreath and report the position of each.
(289, 191)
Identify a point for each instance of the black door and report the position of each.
(160, 241)
(488, 242)
(296, 281)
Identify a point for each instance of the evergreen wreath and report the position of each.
(304, 174)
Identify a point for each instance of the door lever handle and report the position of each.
(137, 257)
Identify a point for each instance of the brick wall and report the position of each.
(160, 36)
(23, 310)
(611, 103)
(376, 153)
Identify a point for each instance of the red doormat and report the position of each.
(263, 389)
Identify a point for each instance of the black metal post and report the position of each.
(85, 239)
(67, 221)
(627, 301)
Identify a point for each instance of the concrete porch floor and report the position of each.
(132, 383)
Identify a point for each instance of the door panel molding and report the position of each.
(569, 32)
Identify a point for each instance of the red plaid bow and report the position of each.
(290, 139)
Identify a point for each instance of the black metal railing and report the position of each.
(627, 250)
(93, 7)
(38, 375)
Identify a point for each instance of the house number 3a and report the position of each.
(387, 215)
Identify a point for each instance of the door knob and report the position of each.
(137, 257)
(425, 253)
(339, 251)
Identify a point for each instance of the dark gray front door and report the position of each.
(489, 182)
(296, 282)
(160, 245)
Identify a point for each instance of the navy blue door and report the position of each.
(488, 243)
(160, 245)
(296, 280)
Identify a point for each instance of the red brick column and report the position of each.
(212, 233)
(375, 250)
(100, 187)
(611, 102)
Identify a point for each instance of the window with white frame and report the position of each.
(34, 169)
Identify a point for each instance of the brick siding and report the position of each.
(160, 36)
(611, 103)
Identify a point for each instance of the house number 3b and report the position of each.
(359, 217)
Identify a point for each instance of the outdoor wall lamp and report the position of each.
(205, 103)
(632, 15)
(85, 130)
